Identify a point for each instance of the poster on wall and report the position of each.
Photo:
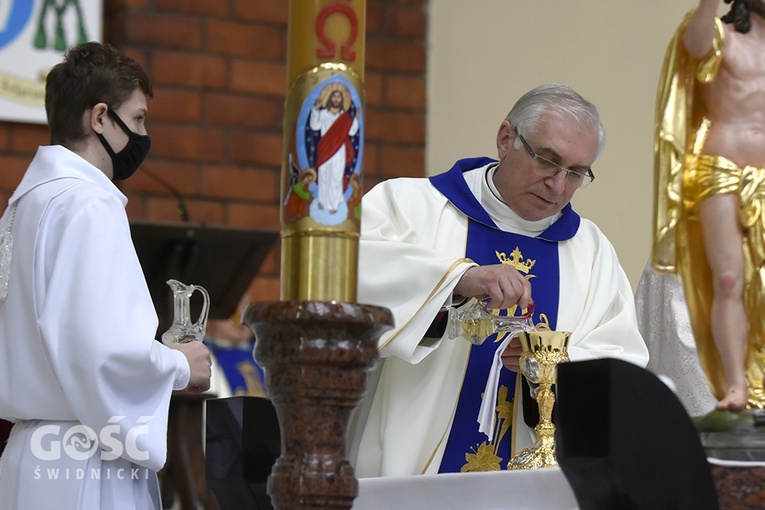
(34, 34)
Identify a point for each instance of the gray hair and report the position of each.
(558, 100)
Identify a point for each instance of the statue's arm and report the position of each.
(700, 32)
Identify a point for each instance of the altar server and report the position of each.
(82, 377)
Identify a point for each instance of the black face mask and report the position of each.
(126, 161)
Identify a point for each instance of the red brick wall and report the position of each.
(219, 74)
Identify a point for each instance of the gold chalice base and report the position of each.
(540, 455)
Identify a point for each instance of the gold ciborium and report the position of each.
(542, 351)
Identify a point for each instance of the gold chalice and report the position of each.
(542, 351)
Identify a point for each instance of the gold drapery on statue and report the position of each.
(683, 178)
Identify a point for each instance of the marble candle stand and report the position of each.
(316, 355)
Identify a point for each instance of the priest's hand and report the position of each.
(200, 363)
(502, 284)
(511, 357)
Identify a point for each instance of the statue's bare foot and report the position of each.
(735, 399)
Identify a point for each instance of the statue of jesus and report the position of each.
(710, 163)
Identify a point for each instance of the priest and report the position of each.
(501, 231)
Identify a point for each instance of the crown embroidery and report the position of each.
(516, 260)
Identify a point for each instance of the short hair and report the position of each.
(90, 73)
(557, 100)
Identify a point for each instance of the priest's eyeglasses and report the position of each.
(578, 178)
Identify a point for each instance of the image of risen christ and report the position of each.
(334, 150)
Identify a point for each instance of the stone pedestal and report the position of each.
(736, 437)
(316, 355)
(739, 487)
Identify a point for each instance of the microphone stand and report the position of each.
(182, 212)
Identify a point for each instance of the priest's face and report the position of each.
(525, 185)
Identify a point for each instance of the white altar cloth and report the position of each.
(539, 489)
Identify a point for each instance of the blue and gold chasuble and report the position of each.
(536, 258)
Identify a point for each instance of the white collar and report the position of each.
(52, 162)
(482, 185)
